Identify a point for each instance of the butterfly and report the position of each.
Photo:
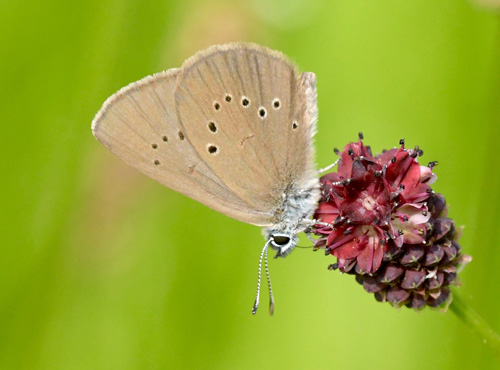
(233, 129)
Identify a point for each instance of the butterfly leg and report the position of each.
(308, 233)
(313, 222)
(316, 222)
(321, 170)
(308, 229)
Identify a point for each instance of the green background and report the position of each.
(102, 268)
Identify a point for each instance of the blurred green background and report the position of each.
(102, 268)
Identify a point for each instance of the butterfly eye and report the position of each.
(154, 146)
(245, 102)
(216, 106)
(281, 240)
(229, 98)
(262, 112)
(295, 125)
(276, 103)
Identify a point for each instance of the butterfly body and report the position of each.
(232, 128)
(294, 216)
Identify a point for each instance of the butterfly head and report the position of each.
(282, 242)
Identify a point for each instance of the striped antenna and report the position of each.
(257, 297)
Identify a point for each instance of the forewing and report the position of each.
(139, 124)
(251, 118)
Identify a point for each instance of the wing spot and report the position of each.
(216, 106)
(276, 103)
(229, 98)
(245, 101)
(295, 125)
(181, 135)
(154, 146)
(164, 138)
(262, 112)
(212, 149)
(156, 162)
(212, 127)
(191, 169)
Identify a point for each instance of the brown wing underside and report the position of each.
(231, 159)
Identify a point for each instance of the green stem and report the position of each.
(471, 318)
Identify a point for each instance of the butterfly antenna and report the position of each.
(264, 251)
(271, 298)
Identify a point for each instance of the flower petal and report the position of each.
(348, 250)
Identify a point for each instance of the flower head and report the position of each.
(381, 219)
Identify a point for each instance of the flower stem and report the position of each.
(471, 318)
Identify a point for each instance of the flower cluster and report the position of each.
(381, 219)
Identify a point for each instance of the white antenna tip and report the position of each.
(255, 307)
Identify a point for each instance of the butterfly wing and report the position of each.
(139, 124)
(251, 117)
(232, 129)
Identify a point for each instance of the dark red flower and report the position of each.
(388, 227)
